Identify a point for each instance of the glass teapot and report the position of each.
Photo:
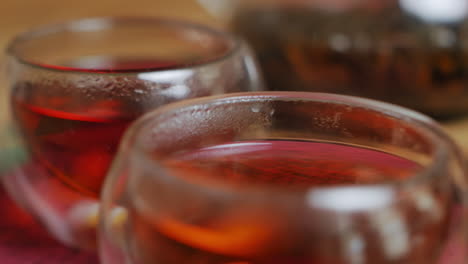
(408, 52)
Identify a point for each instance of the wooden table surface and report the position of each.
(19, 15)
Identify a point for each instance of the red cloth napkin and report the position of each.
(23, 241)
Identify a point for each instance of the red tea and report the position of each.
(184, 228)
(74, 137)
(77, 149)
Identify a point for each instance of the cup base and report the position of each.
(69, 216)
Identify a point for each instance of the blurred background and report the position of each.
(19, 15)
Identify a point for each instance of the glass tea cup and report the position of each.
(284, 177)
(75, 88)
(408, 52)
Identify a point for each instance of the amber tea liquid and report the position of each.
(76, 147)
(213, 236)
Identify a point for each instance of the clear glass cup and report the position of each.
(409, 52)
(75, 88)
(284, 177)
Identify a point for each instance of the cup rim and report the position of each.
(108, 22)
(444, 147)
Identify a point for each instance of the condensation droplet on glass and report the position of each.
(81, 85)
(255, 108)
(229, 109)
(177, 91)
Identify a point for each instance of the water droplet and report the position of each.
(256, 108)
